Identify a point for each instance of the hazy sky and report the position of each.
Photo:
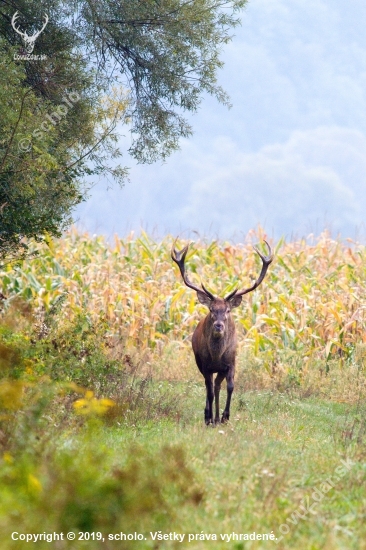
(291, 153)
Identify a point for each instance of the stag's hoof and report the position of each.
(225, 418)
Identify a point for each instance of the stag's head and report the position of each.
(220, 307)
(29, 41)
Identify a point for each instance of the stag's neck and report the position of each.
(217, 346)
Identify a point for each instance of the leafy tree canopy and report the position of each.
(142, 62)
(47, 146)
(166, 52)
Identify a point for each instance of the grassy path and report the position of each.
(292, 467)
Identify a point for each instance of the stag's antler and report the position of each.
(178, 256)
(267, 260)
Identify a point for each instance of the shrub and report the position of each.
(81, 489)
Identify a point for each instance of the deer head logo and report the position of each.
(29, 41)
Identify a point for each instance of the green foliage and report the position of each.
(169, 53)
(56, 129)
(66, 372)
(74, 353)
(87, 489)
(43, 153)
(166, 53)
(71, 483)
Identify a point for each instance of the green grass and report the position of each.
(149, 464)
(256, 471)
(250, 475)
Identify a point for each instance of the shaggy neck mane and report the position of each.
(217, 345)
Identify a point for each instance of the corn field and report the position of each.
(312, 300)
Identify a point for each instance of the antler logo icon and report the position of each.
(28, 40)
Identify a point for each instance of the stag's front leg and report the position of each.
(230, 389)
(209, 399)
(219, 378)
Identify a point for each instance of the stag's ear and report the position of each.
(235, 301)
(203, 298)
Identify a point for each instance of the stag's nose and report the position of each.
(219, 326)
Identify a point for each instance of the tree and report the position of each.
(56, 127)
(164, 53)
(45, 151)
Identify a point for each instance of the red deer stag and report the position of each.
(214, 340)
